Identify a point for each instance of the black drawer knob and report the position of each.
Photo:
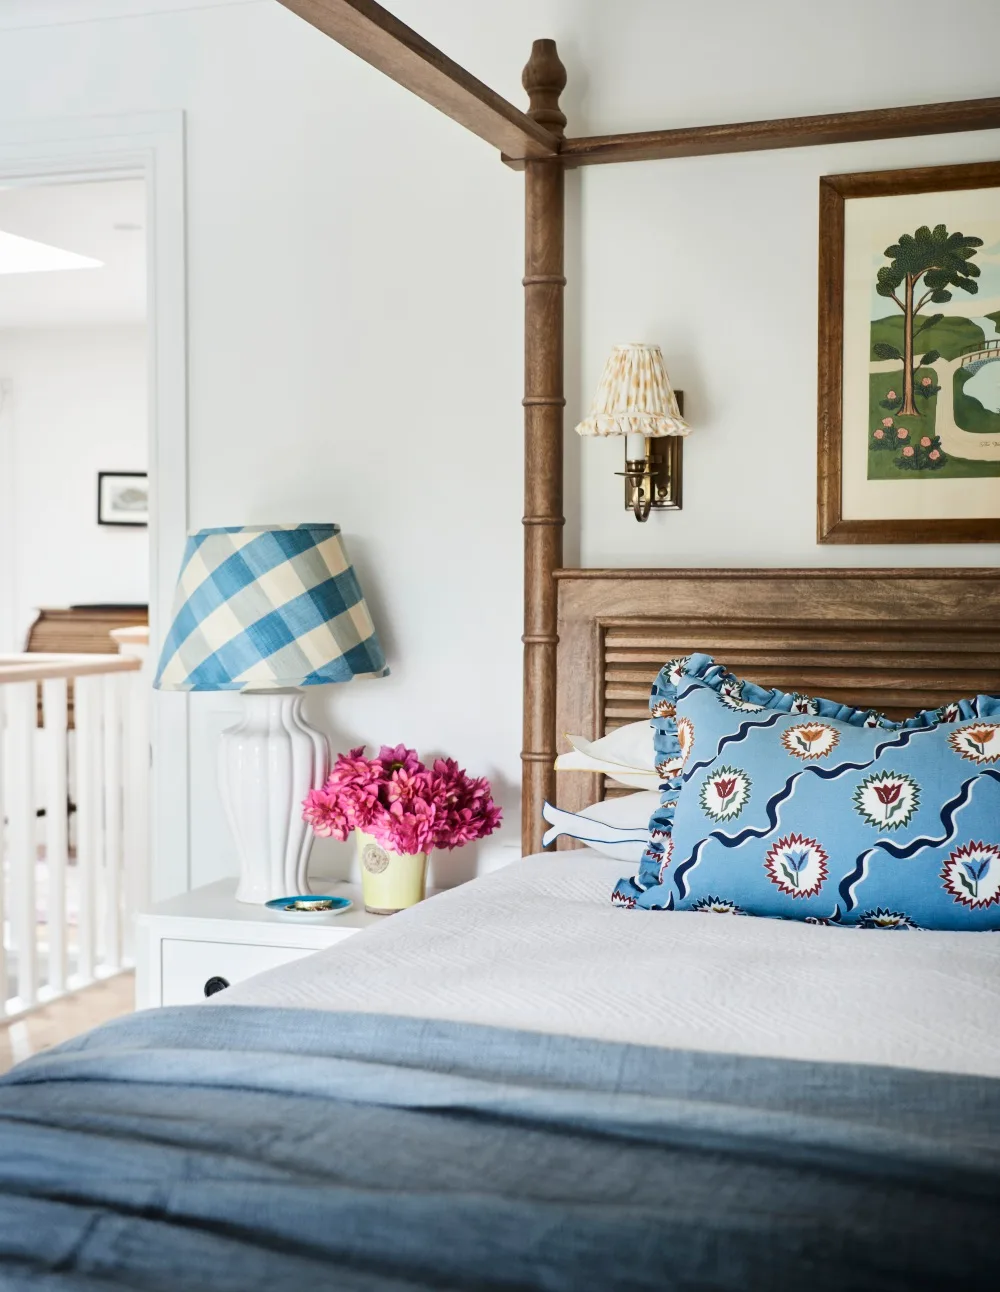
(216, 984)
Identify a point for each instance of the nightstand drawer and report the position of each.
(187, 966)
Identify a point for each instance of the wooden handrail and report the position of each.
(38, 668)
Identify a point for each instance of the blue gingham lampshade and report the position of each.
(261, 607)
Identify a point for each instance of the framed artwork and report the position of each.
(909, 356)
(122, 498)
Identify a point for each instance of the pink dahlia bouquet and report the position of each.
(404, 805)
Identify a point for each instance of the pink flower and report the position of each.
(934, 455)
(880, 434)
(908, 451)
(400, 803)
(404, 789)
(902, 432)
(886, 421)
(925, 381)
(925, 441)
(466, 811)
(890, 394)
(355, 780)
(392, 757)
(412, 832)
(324, 812)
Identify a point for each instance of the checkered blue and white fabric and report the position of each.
(267, 606)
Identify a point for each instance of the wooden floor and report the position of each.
(65, 1018)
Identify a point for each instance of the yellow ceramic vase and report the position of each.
(390, 881)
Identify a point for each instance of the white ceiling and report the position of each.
(80, 218)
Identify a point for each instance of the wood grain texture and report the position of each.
(376, 36)
(544, 286)
(834, 190)
(893, 640)
(81, 630)
(786, 132)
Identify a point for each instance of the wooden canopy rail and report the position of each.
(535, 142)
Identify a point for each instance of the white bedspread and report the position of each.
(538, 945)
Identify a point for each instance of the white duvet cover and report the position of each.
(538, 945)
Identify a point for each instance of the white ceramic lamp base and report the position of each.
(268, 763)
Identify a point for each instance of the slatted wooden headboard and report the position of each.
(897, 640)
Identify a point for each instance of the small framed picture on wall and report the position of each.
(123, 498)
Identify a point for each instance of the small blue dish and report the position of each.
(306, 907)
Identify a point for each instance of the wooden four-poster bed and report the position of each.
(515, 1084)
(535, 142)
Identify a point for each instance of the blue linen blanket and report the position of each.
(236, 1148)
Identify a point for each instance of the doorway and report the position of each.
(140, 158)
(73, 376)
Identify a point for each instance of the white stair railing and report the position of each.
(66, 910)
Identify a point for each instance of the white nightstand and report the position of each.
(201, 942)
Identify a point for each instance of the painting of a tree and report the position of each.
(928, 262)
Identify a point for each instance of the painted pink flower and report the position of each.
(908, 451)
(880, 434)
(886, 421)
(925, 381)
(934, 455)
(902, 432)
(925, 441)
(890, 394)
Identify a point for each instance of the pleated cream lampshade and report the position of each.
(634, 397)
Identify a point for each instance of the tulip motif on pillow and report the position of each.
(795, 808)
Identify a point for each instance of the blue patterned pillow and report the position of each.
(784, 806)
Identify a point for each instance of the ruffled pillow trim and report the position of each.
(740, 693)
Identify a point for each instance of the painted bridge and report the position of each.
(977, 356)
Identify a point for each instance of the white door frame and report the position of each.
(151, 145)
(8, 532)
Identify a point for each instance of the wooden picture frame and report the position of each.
(838, 418)
(123, 498)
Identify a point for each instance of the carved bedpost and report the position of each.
(544, 79)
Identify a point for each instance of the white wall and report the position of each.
(355, 303)
(78, 400)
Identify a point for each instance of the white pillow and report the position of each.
(617, 827)
(626, 755)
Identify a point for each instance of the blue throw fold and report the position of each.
(242, 1148)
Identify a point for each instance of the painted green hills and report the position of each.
(950, 336)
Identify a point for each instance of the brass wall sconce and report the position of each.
(653, 481)
(635, 400)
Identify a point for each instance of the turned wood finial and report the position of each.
(544, 78)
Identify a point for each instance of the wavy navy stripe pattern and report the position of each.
(948, 815)
(885, 778)
(744, 730)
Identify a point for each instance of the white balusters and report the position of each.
(4, 993)
(89, 818)
(56, 801)
(135, 783)
(111, 941)
(102, 886)
(22, 835)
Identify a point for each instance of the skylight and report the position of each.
(25, 256)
